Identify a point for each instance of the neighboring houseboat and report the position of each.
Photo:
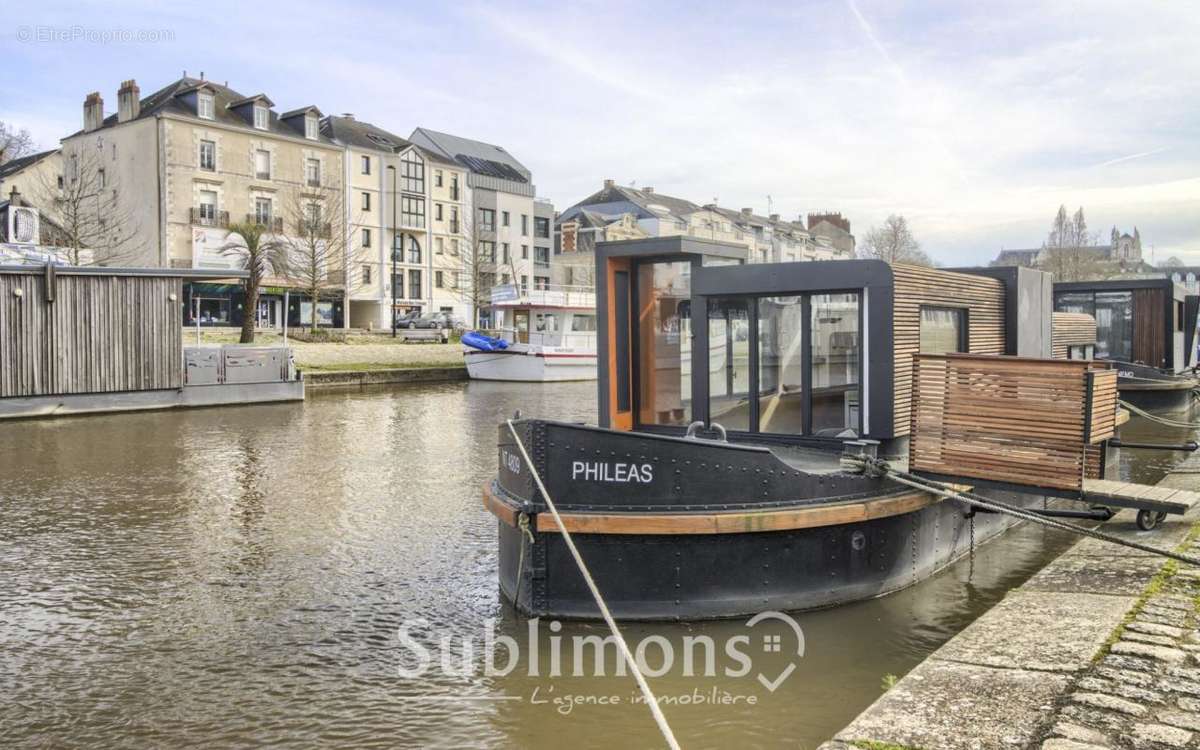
(1147, 328)
(545, 335)
(712, 485)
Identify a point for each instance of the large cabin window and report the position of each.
(663, 328)
(781, 365)
(729, 363)
(1113, 312)
(943, 330)
(835, 358)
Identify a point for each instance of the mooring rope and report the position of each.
(647, 694)
(882, 468)
(1155, 418)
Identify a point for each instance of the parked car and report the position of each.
(439, 320)
(408, 319)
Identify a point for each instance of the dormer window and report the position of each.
(204, 105)
(261, 117)
(310, 128)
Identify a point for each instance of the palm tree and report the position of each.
(255, 248)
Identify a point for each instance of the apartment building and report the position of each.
(622, 212)
(182, 165)
(506, 230)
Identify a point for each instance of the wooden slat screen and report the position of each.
(101, 334)
(917, 286)
(1007, 419)
(1104, 405)
(1071, 329)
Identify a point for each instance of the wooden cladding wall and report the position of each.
(1149, 327)
(1071, 329)
(917, 286)
(100, 334)
(1010, 419)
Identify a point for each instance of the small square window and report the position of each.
(204, 105)
(366, 201)
(311, 128)
(366, 238)
(261, 118)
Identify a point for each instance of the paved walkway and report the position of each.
(1100, 649)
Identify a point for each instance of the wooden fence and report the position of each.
(70, 333)
(1032, 422)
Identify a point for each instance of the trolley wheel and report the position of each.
(1162, 516)
(1147, 520)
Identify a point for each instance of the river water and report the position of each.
(242, 576)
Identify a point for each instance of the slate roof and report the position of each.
(619, 199)
(477, 156)
(168, 100)
(16, 165)
(359, 134)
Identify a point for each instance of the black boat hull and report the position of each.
(701, 569)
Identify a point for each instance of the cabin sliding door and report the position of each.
(781, 365)
(729, 362)
(663, 341)
(835, 348)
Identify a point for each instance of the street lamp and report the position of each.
(395, 235)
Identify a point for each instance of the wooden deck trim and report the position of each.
(730, 522)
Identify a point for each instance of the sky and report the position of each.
(973, 120)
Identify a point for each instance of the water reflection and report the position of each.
(239, 576)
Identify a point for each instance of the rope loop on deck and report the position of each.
(647, 694)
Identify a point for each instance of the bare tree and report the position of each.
(894, 242)
(475, 275)
(1068, 254)
(255, 248)
(313, 252)
(14, 143)
(1173, 262)
(84, 202)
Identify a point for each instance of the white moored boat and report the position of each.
(542, 335)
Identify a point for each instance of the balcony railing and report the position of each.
(314, 229)
(209, 218)
(271, 223)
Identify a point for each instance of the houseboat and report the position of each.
(542, 335)
(1147, 329)
(712, 485)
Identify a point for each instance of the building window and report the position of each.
(454, 219)
(541, 227)
(524, 225)
(437, 211)
(505, 253)
(366, 165)
(208, 156)
(366, 237)
(437, 178)
(504, 218)
(943, 330)
(541, 255)
(1081, 351)
(366, 274)
(487, 251)
(524, 286)
(312, 172)
(414, 284)
(454, 247)
(487, 219)
(1113, 312)
(398, 284)
(208, 207)
(366, 201)
(780, 365)
(541, 282)
(438, 246)
(524, 252)
(453, 187)
(261, 119)
(313, 219)
(412, 173)
(311, 129)
(262, 211)
(834, 351)
(262, 164)
(412, 212)
(204, 105)
(414, 253)
(101, 178)
(438, 281)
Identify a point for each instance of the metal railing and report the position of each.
(581, 341)
(553, 295)
(272, 223)
(209, 219)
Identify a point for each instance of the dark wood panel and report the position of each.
(1149, 327)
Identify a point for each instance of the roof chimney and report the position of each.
(648, 190)
(747, 212)
(609, 184)
(129, 105)
(93, 112)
